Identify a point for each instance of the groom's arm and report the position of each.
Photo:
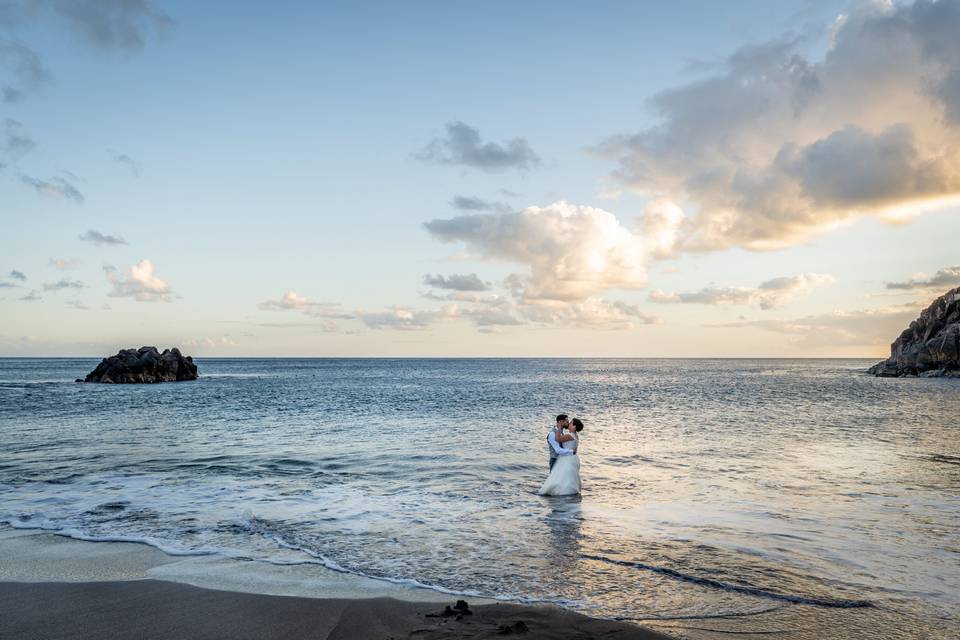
(560, 451)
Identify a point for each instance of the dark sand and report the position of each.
(151, 609)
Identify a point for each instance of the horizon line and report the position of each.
(28, 357)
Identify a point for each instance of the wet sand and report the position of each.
(54, 587)
(151, 609)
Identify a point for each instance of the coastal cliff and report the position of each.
(144, 365)
(930, 346)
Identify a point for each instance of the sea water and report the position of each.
(796, 496)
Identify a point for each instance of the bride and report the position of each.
(564, 478)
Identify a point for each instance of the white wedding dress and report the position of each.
(564, 478)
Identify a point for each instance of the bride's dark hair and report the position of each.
(577, 424)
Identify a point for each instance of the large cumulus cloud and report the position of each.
(774, 148)
(571, 251)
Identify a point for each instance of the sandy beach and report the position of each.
(56, 587)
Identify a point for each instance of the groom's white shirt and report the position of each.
(555, 448)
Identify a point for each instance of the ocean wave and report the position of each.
(268, 530)
(73, 533)
(837, 603)
(941, 458)
(263, 528)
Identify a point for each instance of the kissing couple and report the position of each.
(563, 439)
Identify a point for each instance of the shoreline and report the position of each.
(55, 586)
(37, 555)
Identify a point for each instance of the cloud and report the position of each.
(462, 146)
(210, 343)
(473, 297)
(661, 225)
(124, 25)
(280, 325)
(18, 275)
(25, 72)
(775, 148)
(64, 264)
(457, 282)
(865, 327)
(572, 252)
(8, 285)
(15, 142)
(403, 318)
(945, 278)
(470, 203)
(76, 304)
(769, 295)
(56, 187)
(291, 301)
(60, 285)
(137, 282)
(95, 237)
(114, 24)
(124, 159)
(33, 296)
(593, 313)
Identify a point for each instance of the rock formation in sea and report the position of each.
(144, 365)
(930, 346)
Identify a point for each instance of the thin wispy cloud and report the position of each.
(777, 148)
(211, 343)
(60, 285)
(862, 327)
(102, 239)
(16, 143)
(463, 146)
(138, 282)
(473, 297)
(471, 203)
(124, 25)
(125, 160)
(457, 282)
(325, 325)
(56, 187)
(768, 295)
(18, 275)
(402, 318)
(64, 264)
(33, 296)
(592, 313)
(292, 301)
(945, 278)
(108, 25)
(23, 70)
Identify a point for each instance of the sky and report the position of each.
(595, 179)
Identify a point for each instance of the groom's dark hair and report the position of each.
(562, 416)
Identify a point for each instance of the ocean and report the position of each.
(790, 496)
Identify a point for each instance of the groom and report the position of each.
(563, 422)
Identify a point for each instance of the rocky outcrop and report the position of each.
(143, 365)
(930, 346)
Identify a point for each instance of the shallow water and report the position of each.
(794, 496)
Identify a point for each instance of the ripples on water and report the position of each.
(729, 495)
